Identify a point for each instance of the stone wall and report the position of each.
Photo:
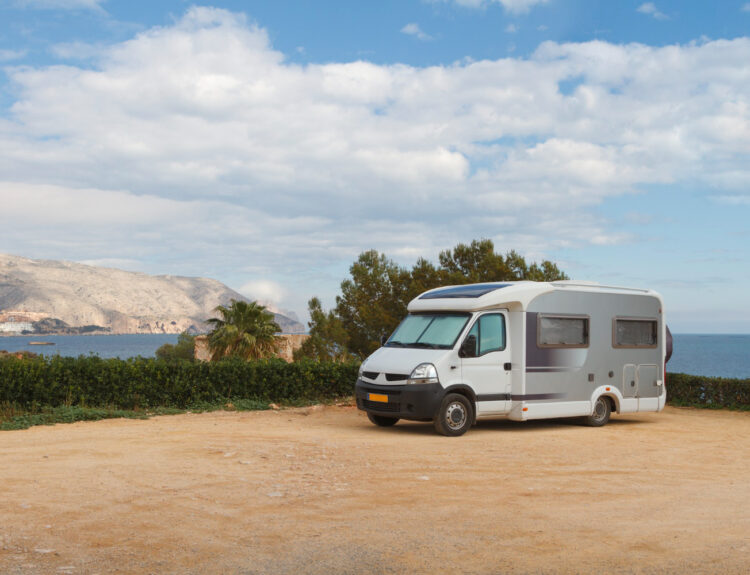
(287, 346)
(201, 351)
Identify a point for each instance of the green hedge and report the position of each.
(141, 383)
(708, 392)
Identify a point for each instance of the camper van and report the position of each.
(519, 350)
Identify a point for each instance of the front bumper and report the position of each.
(417, 401)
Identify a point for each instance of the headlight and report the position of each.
(423, 373)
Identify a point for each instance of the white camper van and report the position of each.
(520, 350)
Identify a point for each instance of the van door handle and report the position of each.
(507, 366)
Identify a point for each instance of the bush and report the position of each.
(708, 392)
(183, 349)
(141, 383)
(32, 384)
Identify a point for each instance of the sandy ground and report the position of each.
(322, 490)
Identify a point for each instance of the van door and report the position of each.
(485, 364)
(647, 376)
(629, 381)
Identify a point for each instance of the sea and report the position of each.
(709, 355)
(105, 346)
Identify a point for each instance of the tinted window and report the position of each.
(429, 330)
(465, 291)
(635, 333)
(443, 330)
(560, 331)
(489, 331)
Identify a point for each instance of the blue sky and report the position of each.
(267, 144)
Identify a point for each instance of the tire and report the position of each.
(382, 420)
(455, 416)
(600, 415)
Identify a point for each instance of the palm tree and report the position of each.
(244, 330)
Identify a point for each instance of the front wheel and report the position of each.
(600, 416)
(455, 415)
(382, 420)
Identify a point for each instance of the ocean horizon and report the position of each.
(105, 346)
(712, 355)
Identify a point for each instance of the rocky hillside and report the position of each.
(115, 300)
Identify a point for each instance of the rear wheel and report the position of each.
(382, 420)
(602, 410)
(455, 415)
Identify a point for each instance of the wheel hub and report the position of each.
(455, 415)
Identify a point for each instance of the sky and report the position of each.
(267, 144)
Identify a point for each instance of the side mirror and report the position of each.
(383, 339)
(468, 347)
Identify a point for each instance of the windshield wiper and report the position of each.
(424, 344)
(395, 344)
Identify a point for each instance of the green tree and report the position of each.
(374, 299)
(328, 339)
(473, 263)
(245, 330)
(478, 262)
(183, 349)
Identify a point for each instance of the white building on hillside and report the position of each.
(16, 326)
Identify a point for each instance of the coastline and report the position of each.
(707, 355)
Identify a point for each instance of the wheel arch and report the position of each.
(466, 391)
(610, 392)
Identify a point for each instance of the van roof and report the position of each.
(472, 297)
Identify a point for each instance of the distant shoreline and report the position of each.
(99, 334)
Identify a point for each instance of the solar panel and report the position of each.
(467, 291)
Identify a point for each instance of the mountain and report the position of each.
(67, 297)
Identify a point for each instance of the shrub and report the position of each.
(147, 384)
(183, 349)
(708, 392)
(140, 383)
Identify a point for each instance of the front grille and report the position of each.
(380, 406)
(396, 376)
(370, 374)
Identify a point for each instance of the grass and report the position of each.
(13, 417)
(708, 405)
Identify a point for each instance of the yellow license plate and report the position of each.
(377, 397)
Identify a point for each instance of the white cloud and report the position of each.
(8, 55)
(733, 200)
(512, 6)
(200, 149)
(746, 7)
(520, 6)
(265, 292)
(61, 4)
(651, 9)
(511, 28)
(76, 51)
(413, 29)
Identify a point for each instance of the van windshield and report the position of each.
(429, 330)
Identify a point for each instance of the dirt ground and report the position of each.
(321, 490)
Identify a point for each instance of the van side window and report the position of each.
(562, 331)
(489, 331)
(631, 332)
